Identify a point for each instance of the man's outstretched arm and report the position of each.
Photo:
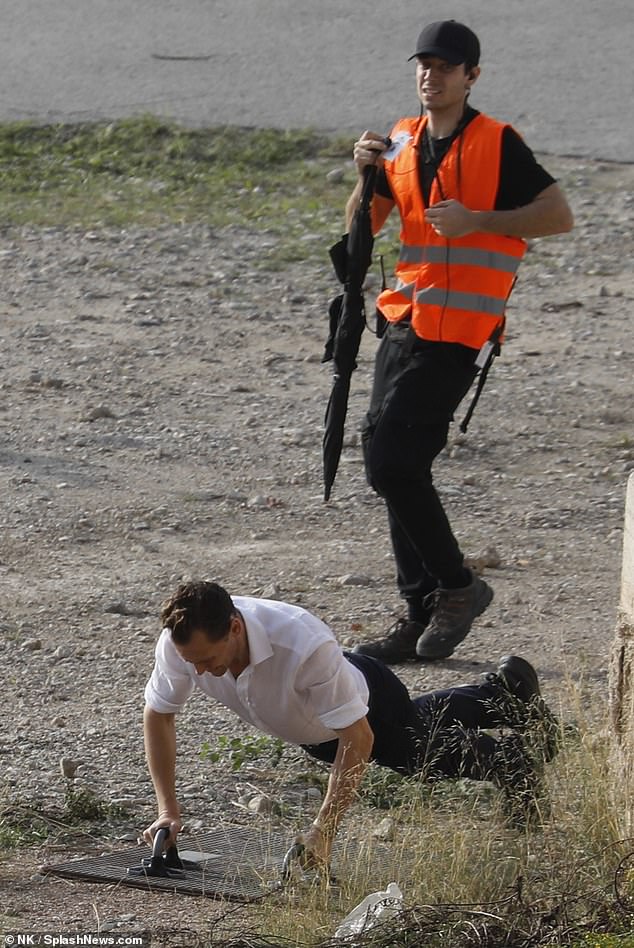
(348, 768)
(159, 732)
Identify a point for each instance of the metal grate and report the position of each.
(232, 862)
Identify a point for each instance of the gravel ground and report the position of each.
(161, 411)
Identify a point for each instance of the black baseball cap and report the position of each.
(449, 40)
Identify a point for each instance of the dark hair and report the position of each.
(198, 605)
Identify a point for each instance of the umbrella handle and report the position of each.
(369, 177)
(369, 181)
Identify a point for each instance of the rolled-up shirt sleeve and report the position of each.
(336, 691)
(170, 683)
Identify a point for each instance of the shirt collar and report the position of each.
(259, 643)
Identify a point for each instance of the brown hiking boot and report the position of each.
(399, 645)
(454, 611)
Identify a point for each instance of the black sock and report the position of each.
(457, 580)
(417, 611)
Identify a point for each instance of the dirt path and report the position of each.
(161, 410)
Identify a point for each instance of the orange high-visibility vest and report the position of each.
(456, 290)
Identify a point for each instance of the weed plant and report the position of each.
(21, 825)
(28, 823)
(82, 805)
(241, 750)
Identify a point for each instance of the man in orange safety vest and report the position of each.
(469, 193)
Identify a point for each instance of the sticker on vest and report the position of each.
(399, 142)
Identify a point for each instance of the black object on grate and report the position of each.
(232, 862)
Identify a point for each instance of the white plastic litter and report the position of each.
(375, 908)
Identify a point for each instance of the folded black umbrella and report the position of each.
(351, 258)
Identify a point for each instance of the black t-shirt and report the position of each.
(522, 178)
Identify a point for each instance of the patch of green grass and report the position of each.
(146, 172)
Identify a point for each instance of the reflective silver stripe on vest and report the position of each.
(405, 289)
(473, 302)
(463, 256)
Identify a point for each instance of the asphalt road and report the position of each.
(562, 71)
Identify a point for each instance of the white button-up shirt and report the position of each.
(297, 686)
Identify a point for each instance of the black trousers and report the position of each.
(417, 387)
(436, 735)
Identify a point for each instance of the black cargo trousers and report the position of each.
(417, 387)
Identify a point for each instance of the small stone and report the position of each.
(335, 175)
(488, 558)
(272, 591)
(117, 609)
(384, 829)
(258, 500)
(100, 411)
(31, 645)
(62, 651)
(301, 478)
(68, 767)
(262, 804)
(355, 579)
(293, 436)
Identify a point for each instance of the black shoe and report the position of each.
(399, 645)
(522, 707)
(518, 677)
(520, 776)
(453, 612)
